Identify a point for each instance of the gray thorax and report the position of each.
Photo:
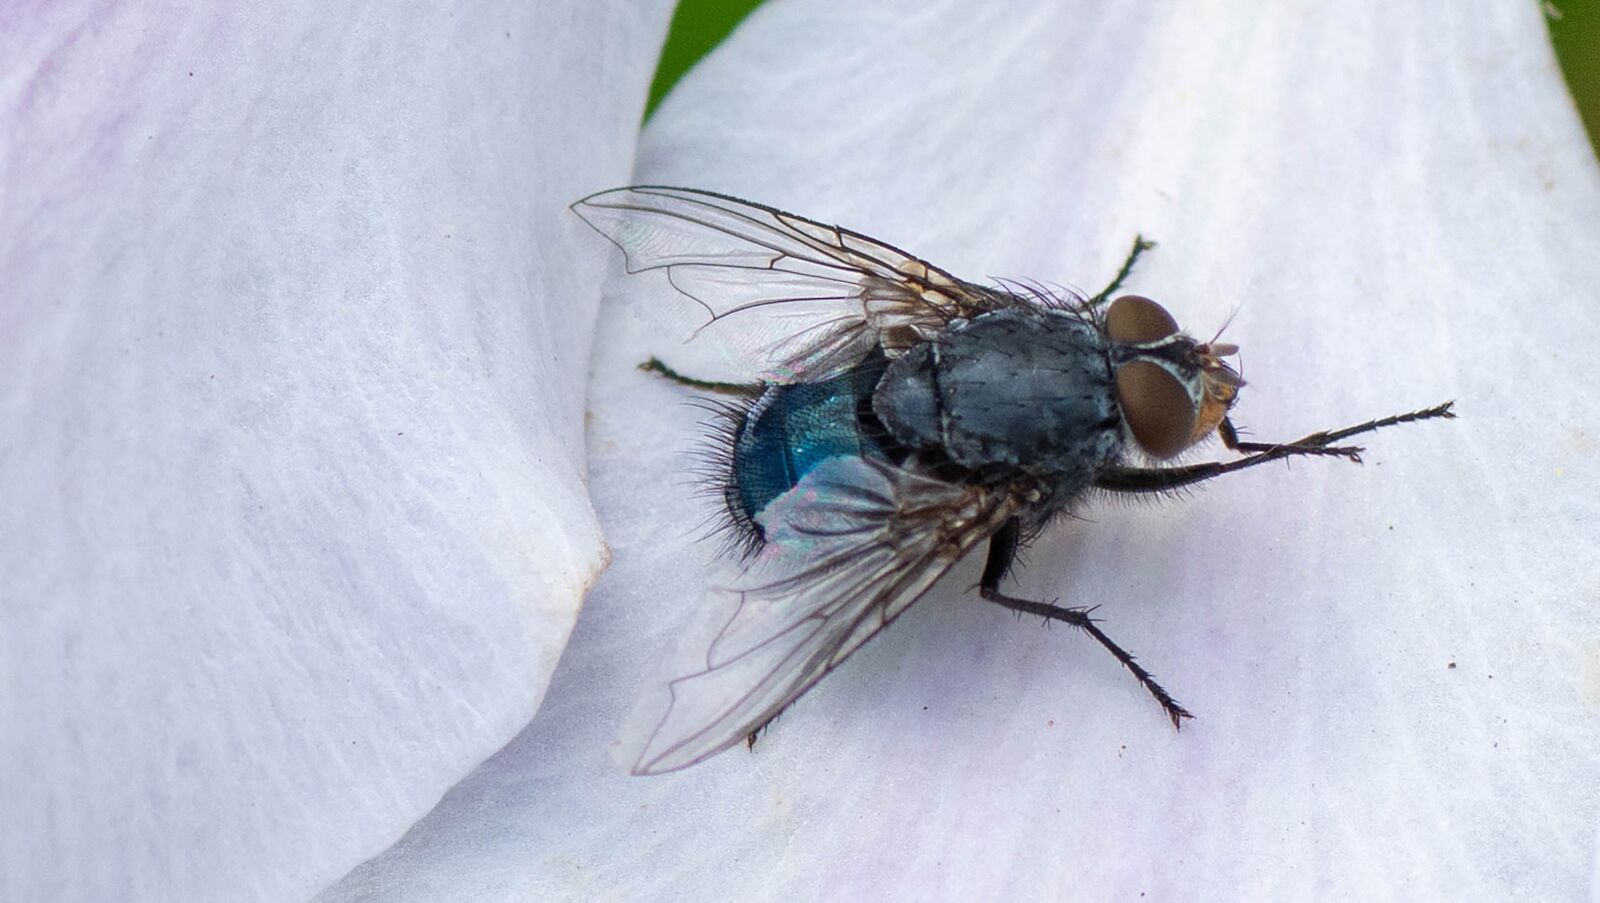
(1018, 388)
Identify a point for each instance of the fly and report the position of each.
(898, 417)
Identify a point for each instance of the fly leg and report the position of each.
(657, 366)
(1002, 552)
(1140, 245)
(660, 367)
(1160, 479)
(750, 738)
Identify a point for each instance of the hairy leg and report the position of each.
(1002, 552)
(1140, 245)
(657, 366)
(1160, 479)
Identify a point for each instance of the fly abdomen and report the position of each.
(790, 429)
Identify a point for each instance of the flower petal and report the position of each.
(1396, 206)
(291, 372)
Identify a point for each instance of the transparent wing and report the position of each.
(830, 294)
(849, 548)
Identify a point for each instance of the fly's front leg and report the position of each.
(1230, 438)
(1140, 245)
(1002, 552)
(1161, 479)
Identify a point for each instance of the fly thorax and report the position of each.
(1017, 388)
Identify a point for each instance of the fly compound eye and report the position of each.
(1157, 406)
(1136, 320)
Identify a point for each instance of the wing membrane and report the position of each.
(839, 292)
(849, 549)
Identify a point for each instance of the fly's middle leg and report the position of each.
(1002, 552)
(1140, 245)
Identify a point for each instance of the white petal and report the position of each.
(1401, 207)
(292, 355)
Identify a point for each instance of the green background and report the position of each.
(699, 25)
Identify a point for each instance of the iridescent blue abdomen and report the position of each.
(790, 429)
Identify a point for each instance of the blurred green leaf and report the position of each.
(1575, 31)
(697, 27)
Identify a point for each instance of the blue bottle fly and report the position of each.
(896, 418)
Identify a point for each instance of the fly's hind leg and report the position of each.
(750, 738)
(1140, 245)
(659, 367)
(1002, 552)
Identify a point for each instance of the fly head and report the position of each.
(1173, 391)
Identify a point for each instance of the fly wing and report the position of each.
(831, 294)
(849, 548)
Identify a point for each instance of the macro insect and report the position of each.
(896, 418)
